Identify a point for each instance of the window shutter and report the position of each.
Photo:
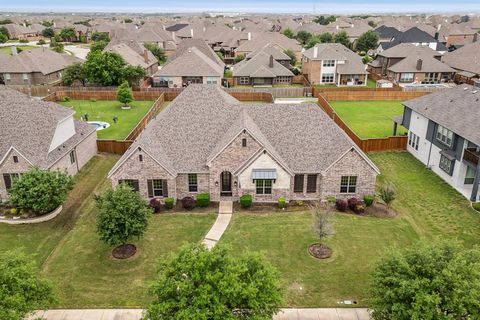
(8, 181)
(165, 187)
(298, 183)
(150, 188)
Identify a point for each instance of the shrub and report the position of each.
(13, 211)
(282, 203)
(41, 42)
(203, 200)
(368, 199)
(359, 208)
(246, 201)
(169, 203)
(23, 41)
(341, 205)
(352, 202)
(93, 100)
(66, 99)
(331, 199)
(188, 203)
(388, 193)
(156, 205)
(476, 206)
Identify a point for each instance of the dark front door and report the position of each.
(226, 187)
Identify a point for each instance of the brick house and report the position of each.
(207, 141)
(262, 70)
(43, 134)
(134, 54)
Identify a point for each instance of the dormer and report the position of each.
(64, 130)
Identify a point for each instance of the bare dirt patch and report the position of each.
(124, 251)
(320, 251)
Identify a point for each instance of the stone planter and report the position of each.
(40, 219)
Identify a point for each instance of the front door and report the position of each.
(226, 186)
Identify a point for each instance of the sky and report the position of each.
(251, 6)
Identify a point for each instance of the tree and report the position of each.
(325, 37)
(238, 58)
(197, 283)
(293, 57)
(48, 33)
(3, 38)
(372, 24)
(4, 31)
(304, 37)
(68, 34)
(123, 214)
(367, 41)
(124, 94)
(98, 45)
(21, 291)
(104, 68)
(133, 74)
(128, 20)
(158, 52)
(322, 225)
(6, 21)
(74, 73)
(427, 282)
(388, 193)
(325, 20)
(39, 190)
(342, 37)
(47, 23)
(289, 33)
(56, 46)
(100, 36)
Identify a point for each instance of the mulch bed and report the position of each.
(320, 251)
(379, 210)
(124, 251)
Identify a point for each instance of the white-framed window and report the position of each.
(8, 77)
(263, 186)
(444, 135)
(446, 164)
(244, 80)
(348, 184)
(192, 182)
(283, 79)
(406, 77)
(212, 80)
(25, 77)
(470, 175)
(133, 183)
(73, 157)
(431, 77)
(328, 78)
(328, 63)
(413, 140)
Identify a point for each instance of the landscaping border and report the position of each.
(40, 219)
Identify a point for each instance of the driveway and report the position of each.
(77, 51)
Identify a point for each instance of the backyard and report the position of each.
(8, 50)
(370, 119)
(102, 110)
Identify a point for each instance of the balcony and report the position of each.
(471, 156)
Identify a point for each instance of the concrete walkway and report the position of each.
(136, 314)
(295, 100)
(225, 210)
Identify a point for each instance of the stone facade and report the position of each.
(10, 166)
(203, 184)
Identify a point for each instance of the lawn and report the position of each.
(103, 110)
(370, 119)
(428, 209)
(8, 50)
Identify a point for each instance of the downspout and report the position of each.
(431, 144)
(76, 159)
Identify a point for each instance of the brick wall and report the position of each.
(9, 166)
(84, 151)
(203, 183)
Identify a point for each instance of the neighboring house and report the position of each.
(278, 55)
(42, 134)
(193, 62)
(414, 36)
(21, 32)
(261, 70)
(40, 66)
(148, 35)
(256, 41)
(386, 34)
(333, 63)
(466, 61)
(134, 54)
(444, 135)
(207, 141)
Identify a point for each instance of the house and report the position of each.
(256, 41)
(466, 61)
(443, 133)
(134, 54)
(42, 134)
(22, 32)
(261, 70)
(193, 62)
(278, 55)
(333, 63)
(207, 141)
(414, 36)
(34, 67)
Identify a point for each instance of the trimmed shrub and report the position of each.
(188, 203)
(156, 205)
(13, 211)
(66, 99)
(41, 42)
(23, 41)
(246, 201)
(341, 205)
(203, 200)
(352, 202)
(331, 199)
(359, 208)
(169, 203)
(368, 199)
(476, 206)
(282, 203)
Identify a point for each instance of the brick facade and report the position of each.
(203, 183)
(34, 78)
(9, 166)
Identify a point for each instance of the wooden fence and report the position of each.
(367, 145)
(276, 92)
(114, 146)
(374, 95)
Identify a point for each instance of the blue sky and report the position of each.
(327, 6)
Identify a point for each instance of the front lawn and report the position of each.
(370, 119)
(103, 110)
(427, 207)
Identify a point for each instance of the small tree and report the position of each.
(388, 193)
(123, 215)
(288, 33)
(68, 34)
(197, 283)
(21, 291)
(239, 57)
(74, 73)
(158, 52)
(293, 57)
(133, 74)
(40, 190)
(304, 37)
(342, 37)
(322, 225)
(100, 36)
(48, 32)
(427, 282)
(367, 41)
(3, 38)
(98, 45)
(124, 94)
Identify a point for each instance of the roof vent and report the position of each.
(419, 64)
(474, 91)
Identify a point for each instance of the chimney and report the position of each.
(191, 33)
(204, 29)
(14, 50)
(419, 64)
(164, 45)
(315, 52)
(145, 55)
(271, 61)
(249, 35)
(437, 34)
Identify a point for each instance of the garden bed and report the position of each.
(28, 217)
(270, 207)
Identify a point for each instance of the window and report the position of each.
(348, 184)
(140, 157)
(413, 140)
(157, 188)
(406, 77)
(446, 164)
(470, 175)
(283, 79)
(192, 182)
(431, 77)
(298, 183)
(15, 159)
(329, 63)
(244, 80)
(264, 186)
(244, 142)
(25, 77)
(328, 78)
(72, 157)
(132, 183)
(311, 183)
(7, 76)
(444, 135)
(211, 80)
(9, 179)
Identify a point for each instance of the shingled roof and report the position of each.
(337, 51)
(466, 58)
(259, 67)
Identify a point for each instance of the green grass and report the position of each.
(8, 50)
(428, 209)
(371, 83)
(370, 119)
(102, 110)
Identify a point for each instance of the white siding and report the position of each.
(64, 131)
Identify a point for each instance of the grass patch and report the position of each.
(371, 83)
(8, 50)
(370, 119)
(102, 110)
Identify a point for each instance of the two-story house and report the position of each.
(444, 134)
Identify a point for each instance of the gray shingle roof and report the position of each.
(429, 64)
(259, 66)
(405, 49)
(466, 58)
(336, 51)
(133, 53)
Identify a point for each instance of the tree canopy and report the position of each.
(304, 37)
(124, 94)
(325, 20)
(68, 34)
(197, 283)
(48, 32)
(289, 33)
(342, 37)
(427, 282)
(367, 41)
(98, 45)
(293, 57)
(104, 68)
(325, 37)
(100, 36)
(73, 73)
(158, 52)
